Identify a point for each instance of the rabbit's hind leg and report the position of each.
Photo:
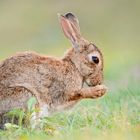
(17, 100)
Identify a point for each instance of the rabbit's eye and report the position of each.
(95, 59)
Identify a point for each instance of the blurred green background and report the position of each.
(114, 26)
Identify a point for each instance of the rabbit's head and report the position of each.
(86, 56)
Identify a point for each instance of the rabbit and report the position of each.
(57, 84)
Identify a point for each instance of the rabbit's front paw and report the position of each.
(98, 91)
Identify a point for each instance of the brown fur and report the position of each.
(57, 83)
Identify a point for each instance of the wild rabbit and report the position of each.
(55, 83)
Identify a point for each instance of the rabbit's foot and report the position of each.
(37, 116)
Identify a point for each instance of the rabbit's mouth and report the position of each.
(90, 83)
(94, 80)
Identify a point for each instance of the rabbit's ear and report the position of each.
(74, 20)
(70, 29)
